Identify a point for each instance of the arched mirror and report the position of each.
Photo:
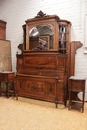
(41, 37)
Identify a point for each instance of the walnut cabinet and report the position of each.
(44, 65)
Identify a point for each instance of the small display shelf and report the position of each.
(63, 37)
(76, 85)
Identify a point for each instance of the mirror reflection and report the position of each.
(41, 38)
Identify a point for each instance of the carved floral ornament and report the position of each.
(40, 14)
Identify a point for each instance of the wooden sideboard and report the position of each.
(43, 67)
(42, 75)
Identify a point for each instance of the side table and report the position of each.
(76, 85)
(7, 77)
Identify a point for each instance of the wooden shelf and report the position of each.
(77, 104)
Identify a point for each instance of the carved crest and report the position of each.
(40, 14)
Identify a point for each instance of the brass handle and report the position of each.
(60, 80)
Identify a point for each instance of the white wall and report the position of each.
(15, 12)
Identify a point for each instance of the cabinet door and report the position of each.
(30, 86)
(36, 87)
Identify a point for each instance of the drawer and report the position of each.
(77, 85)
(11, 77)
(29, 71)
(52, 73)
(3, 78)
(7, 77)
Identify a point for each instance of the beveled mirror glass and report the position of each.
(41, 37)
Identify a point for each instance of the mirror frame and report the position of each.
(50, 20)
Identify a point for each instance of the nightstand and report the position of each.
(76, 85)
(7, 77)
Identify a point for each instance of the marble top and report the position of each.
(6, 72)
(77, 78)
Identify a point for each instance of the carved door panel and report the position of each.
(36, 87)
(28, 86)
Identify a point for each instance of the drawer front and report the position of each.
(7, 77)
(77, 85)
(41, 72)
(3, 78)
(52, 73)
(11, 77)
(29, 71)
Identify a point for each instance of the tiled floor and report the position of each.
(28, 114)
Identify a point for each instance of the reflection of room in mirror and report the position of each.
(45, 33)
(44, 41)
(34, 32)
